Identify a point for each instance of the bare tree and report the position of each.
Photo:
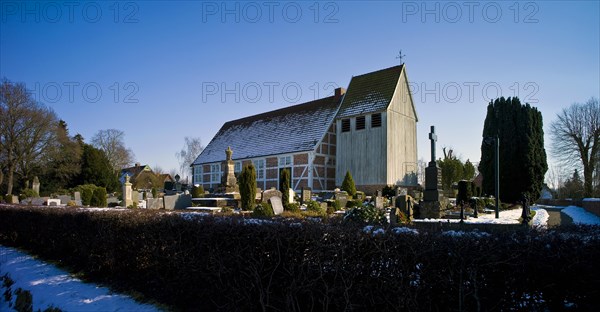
(111, 142)
(25, 129)
(191, 149)
(576, 135)
(555, 178)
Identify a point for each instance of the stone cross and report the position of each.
(433, 138)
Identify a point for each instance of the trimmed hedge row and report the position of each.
(205, 263)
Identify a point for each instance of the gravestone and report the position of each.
(291, 196)
(77, 196)
(155, 203)
(53, 202)
(379, 202)
(177, 201)
(270, 193)
(305, 195)
(229, 181)
(404, 203)
(39, 201)
(35, 185)
(434, 202)
(64, 199)
(401, 191)
(127, 200)
(342, 197)
(277, 205)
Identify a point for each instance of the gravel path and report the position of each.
(556, 217)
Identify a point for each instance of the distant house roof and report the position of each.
(288, 130)
(370, 93)
(133, 172)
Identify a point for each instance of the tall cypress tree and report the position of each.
(247, 183)
(284, 186)
(522, 154)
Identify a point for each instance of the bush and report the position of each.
(1, 198)
(197, 191)
(86, 191)
(71, 203)
(292, 261)
(99, 197)
(263, 210)
(366, 215)
(315, 206)
(293, 207)
(9, 198)
(155, 192)
(348, 185)
(464, 192)
(388, 191)
(354, 203)
(29, 193)
(335, 206)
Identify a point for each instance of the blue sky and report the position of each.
(161, 71)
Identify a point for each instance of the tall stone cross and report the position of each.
(433, 138)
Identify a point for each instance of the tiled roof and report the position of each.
(370, 93)
(288, 130)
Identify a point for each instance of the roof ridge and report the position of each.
(380, 70)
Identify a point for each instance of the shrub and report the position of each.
(263, 210)
(388, 191)
(335, 206)
(29, 193)
(284, 186)
(292, 214)
(247, 183)
(315, 206)
(9, 198)
(99, 197)
(86, 190)
(348, 185)
(293, 207)
(366, 215)
(24, 302)
(354, 203)
(154, 192)
(1, 198)
(197, 191)
(71, 203)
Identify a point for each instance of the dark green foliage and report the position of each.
(354, 203)
(24, 301)
(247, 183)
(28, 193)
(453, 170)
(366, 215)
(284, 185)
(388, 271)
(263, 210)
(96, 169)
(468, 170)
(154, 193)
(522, 154)
(388, 191)
(64, 165)
(573, 187)
(348, 185)
(86, 191)
(197, 191)
(464, 192)
(99, 197)
(1, 198)
(293, 207)
(314, 206)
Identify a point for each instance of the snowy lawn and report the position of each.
(506, 217)
(580, 215)
(50, 286)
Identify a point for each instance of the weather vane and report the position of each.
(400, 56)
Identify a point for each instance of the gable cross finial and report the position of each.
(400, 56)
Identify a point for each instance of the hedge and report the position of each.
(226, 263)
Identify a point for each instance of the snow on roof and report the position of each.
(288, 130)
(370, 93)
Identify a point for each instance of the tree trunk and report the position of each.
(588, 174)
(11, 171)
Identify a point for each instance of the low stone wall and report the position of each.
(591, 206)
(556, 202)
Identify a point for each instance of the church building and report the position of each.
(370, 130)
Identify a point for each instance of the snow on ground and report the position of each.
(580, 215)
(506, 217)
(52, 286)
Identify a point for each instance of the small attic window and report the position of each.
(360, 122)
(376, 120)
(345, 125)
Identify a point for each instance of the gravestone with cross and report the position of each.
(434, 202)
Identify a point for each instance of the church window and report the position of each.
(215, 173)
(197, 174)
(345, 125)
(376, 120)
(285, 161)
(259, 166)
(360, 122)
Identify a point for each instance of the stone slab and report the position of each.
(277, 205)
(64, 199)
